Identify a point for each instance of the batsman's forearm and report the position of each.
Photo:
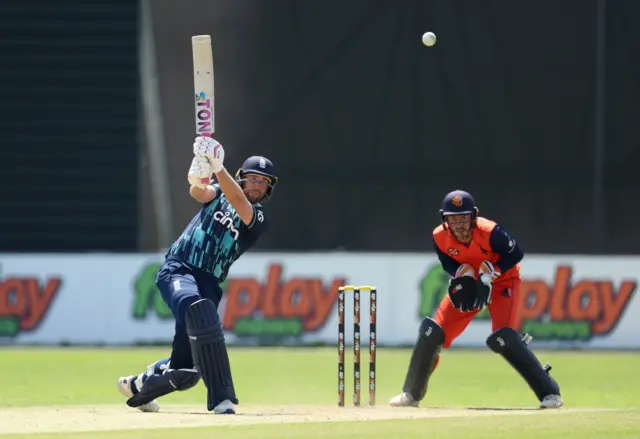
(234, 193)
(202, 195)
(230, 187)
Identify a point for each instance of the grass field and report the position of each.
(292, 393)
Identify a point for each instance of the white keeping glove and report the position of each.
(200, 172)
(488, 273)
(211, 149)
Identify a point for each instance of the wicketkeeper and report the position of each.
(483, 261)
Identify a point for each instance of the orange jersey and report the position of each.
(489, 243)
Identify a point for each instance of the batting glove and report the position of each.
(200, 172)
(212, 150)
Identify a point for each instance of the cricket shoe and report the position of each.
(403, 400)
(224, 408)
(124, 386)
(551, 402)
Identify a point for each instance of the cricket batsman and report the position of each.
(229, 223)
(483, 261)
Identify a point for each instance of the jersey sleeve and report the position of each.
(216, 186)
(259, 223)
(449, 264)
(509, 250)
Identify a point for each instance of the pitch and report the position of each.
(292, 393)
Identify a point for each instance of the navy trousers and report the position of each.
(181, 285)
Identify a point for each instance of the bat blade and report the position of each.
(203, 85)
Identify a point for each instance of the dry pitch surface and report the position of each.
(110, 417)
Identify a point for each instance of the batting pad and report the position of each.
(159, 385)
(209, 352)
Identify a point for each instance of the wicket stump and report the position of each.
(356, 343)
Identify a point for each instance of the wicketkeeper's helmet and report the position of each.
(458, 203)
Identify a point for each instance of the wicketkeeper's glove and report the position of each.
(483, 293)
(462, 293)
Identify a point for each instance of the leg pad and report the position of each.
(209, 352)
(156, 386)
(508, 343)
(423, 359)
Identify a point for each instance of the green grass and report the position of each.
(269, 376)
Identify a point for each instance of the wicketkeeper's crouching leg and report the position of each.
(423, 361)
(513, 348)
(507, 342)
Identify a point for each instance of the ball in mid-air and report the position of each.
(429, 39)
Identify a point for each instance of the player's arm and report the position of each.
(213, 152)
(234, 193)
(252, 216)
(203, 195)
(449, 264)
(509, 250)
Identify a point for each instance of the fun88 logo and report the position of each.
(226, 220)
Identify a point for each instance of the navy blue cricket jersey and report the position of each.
(216, 237)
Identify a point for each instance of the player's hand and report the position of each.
(462, 293)
(483, 293)
(488, 270)
(211, 149)
(485, 285)
(200, 172)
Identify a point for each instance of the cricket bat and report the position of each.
(203, 85)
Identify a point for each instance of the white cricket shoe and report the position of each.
(551, 402)
(403, 400)
(224, 408)
(124, 386)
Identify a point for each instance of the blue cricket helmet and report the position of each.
(458, 203)
(258, 165)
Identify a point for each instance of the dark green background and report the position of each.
(367, 127)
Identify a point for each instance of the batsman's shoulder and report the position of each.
(258, 210)
(259, 221)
